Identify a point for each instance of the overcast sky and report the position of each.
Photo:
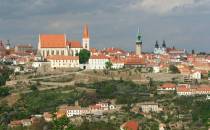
(112, 23)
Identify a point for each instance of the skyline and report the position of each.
(181, 23)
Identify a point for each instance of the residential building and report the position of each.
(97, 62)
(61, 61)
(134, 61)
(27, 48)
(26, 122)
(47, 116)
(187, 90)
(150, 107)
(168, 87)
(130, 125)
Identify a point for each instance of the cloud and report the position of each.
(161, 6)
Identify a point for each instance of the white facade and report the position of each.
(74, 111)
(86, 43)
(97, 63)
(117, 65)
(39, 64)
(64, 63)
(156, 69)
(196, 75)
(160, 51)
(150, 107)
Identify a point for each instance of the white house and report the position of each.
(167, 87)
(184, 90)
(150, 107)
(97, 62)
(58, 61)
(156, 69)
(117, 63)
(196, 75)
(76, 111)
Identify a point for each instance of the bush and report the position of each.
(174, 69)
(4, 91)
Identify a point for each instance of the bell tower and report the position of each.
(86, 38)
(139, 43)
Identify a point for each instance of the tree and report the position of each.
(84, 56)
(108, 65)
(63, 124)
(174, 69)
(4, 91)
(209, 74)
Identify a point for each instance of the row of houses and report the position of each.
(76, 110)
(186, 89)
(34, 119)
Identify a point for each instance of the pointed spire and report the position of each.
(85, 32)
(138, 30)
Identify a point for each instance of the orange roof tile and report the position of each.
(134, 60)
(131, 125)
(52, 41)
(183, 88)
(99, 57)
(168, 85)
(61, 57)
(74, 44)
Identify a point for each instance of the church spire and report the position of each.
(86, 38)
(85, 32)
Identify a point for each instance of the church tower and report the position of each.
(86, 38)
(139, 43)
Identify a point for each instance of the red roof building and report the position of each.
(130, 125)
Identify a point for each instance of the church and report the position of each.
(58, 44)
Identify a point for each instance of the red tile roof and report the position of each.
(134, 60)
(61, 57)
(183, 88)
(52, 41)
(99, 57)
(74, 44)
(131, 125)
(168, 85)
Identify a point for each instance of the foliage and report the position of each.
(33, 87)
(108, 65)
(4, 75)
(201, 110)
(84, 56)
(124, 91)
(4, 91)
(63, 124)
(174, 69)
(38, 102)
(97, 126)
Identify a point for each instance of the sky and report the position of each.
(112, 23)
